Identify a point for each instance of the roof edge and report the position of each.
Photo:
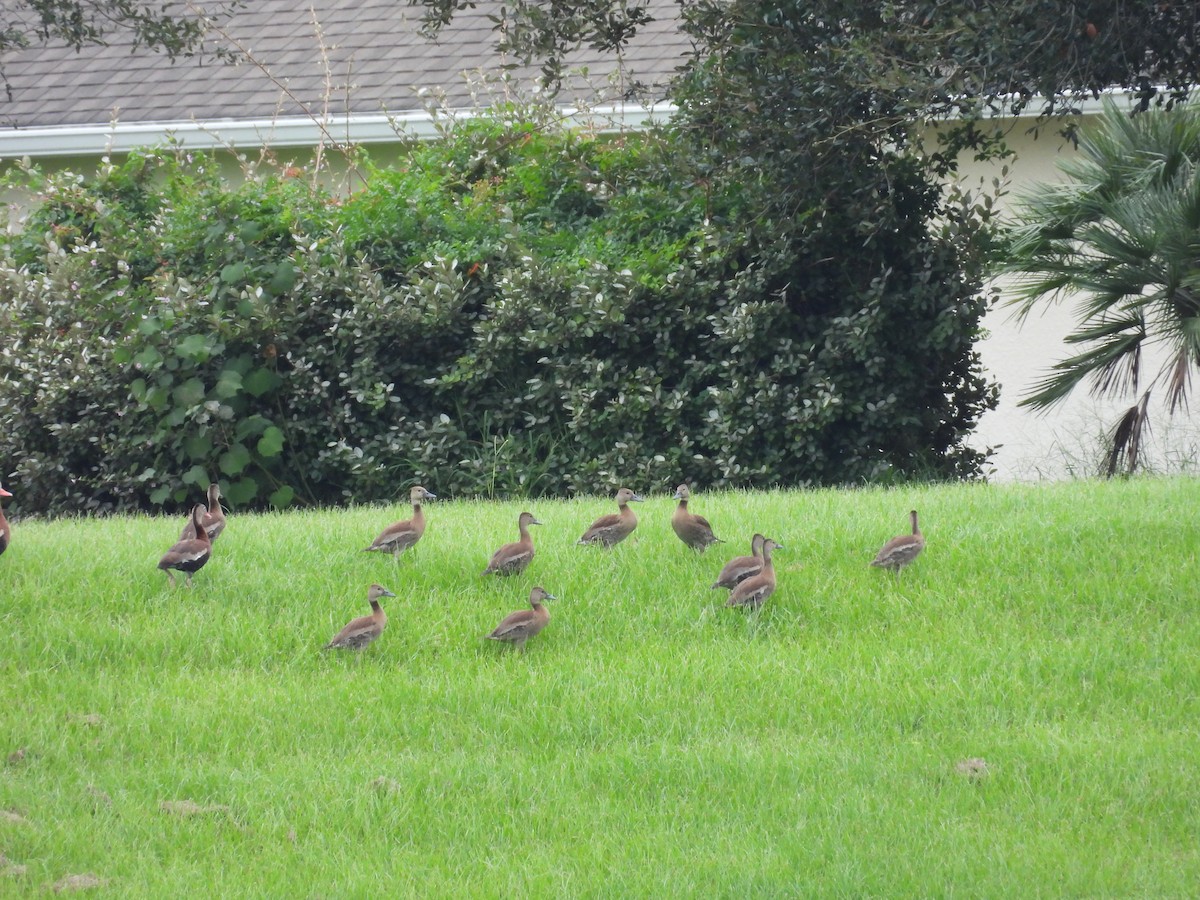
(287, 131)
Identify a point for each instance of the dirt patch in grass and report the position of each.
(188, 808)
(82, 882)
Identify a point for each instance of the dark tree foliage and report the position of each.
(1006, 53)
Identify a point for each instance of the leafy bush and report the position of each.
(510, 311)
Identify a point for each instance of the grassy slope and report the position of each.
(650, 741)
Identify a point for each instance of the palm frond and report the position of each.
(1113, 366)
(1125, 441)
(1179, 375)
(1121, 237)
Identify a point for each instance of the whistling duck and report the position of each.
(754, 591)
(5, 529)
(692, 529)
(189, 555)
(516, 628)
(362, 631)
(612, 529)
(900, 551)
(399, 536)
(511, 559)
(740, 568)
(214, 517)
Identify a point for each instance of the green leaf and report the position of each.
(196, 475)
(198, 446)
(251, 426)
(284, 278)
(242, 491)
(194, 346)
(235, 459)
(229, 384)
(233, 273)
(148, 358)
(271, 443)
(251, 231)
(282, 497)
(159, 495)
(189, 393)
(260, 381)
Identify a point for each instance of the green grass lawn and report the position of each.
(650, 742)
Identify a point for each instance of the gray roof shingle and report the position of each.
(374, 52)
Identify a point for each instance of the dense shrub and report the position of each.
(510, 310)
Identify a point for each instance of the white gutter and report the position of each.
(292, 131)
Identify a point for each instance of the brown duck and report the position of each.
(692, 529)
(740, 568)
(398, 537)
(5, 528)
(754, 591)
(900, 551)
(214, 517)
(610, 530)
(365, 629)
(191, 554)
(512, 559)
(516, 628)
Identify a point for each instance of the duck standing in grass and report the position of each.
(516, 628)
(5, 528)
(610, 530)
(512, 559)
(755, 590)
(214, 517)
(362, 631)
(400, 536)
(693, 530)
(740, 568)
(191, 554)
(900, 551)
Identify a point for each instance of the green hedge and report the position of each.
(509, 311)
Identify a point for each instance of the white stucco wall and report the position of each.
(1065, 441)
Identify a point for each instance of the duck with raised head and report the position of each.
(5, 528)
(512, 559)
(400, 536)
(516, 628)
(214, 517)
(740, 568)
(362, 631)
(693, 530)
(191, 554)
(901, 550)
(755, 590)
(610, 530)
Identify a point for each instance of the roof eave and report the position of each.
(297, 131)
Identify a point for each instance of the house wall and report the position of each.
(1067, 440)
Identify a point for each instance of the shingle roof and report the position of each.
(372, 51)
